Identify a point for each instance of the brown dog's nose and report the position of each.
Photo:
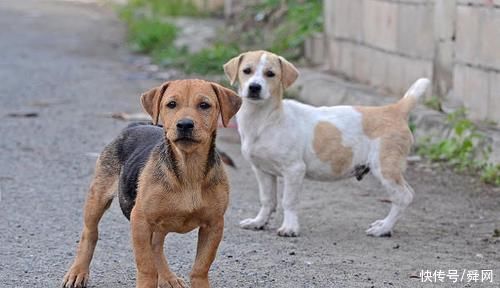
(185, 125)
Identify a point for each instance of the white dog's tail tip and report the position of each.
(413, 94)
(418, 88)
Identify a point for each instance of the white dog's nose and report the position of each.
(255, 88)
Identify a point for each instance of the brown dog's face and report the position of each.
(260, 74)
(189, 110)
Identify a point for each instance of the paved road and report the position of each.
(66, 62)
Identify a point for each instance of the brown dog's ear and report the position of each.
(151, 101)
(229, 102)
(231, 68)
(288, 72)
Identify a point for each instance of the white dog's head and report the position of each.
(261, 75)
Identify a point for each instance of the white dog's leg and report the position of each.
(401, 195)
(267, 193)
(293, 186)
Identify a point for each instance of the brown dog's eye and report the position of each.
(270, 74)
(204, 105)
(247, 70)
(171, 104)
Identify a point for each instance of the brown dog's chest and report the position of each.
(181, 211)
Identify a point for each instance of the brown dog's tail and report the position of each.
(408, 102)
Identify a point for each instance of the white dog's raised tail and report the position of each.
(408, 102)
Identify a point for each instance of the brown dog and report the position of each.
(168, 180)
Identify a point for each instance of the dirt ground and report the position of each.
(66, 63)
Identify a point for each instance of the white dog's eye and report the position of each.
(270, 74)
(247, 70)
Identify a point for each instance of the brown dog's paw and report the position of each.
(76, 277)
(172, 282)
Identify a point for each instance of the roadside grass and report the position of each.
(150, 35)
(302, 19)
(466, 150)
(149, 32)
(163, 8)
(284, 27)
(280, 26)
(210, 60)
(434, 103)
(206, 61)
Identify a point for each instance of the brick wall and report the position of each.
(388, 44)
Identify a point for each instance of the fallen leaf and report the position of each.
(131, 116)
(23, 114)
(385, 200)
(415, 275)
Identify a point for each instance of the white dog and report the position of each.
(284, 138)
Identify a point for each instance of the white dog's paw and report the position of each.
(288, 231)
(252, 224)
(379, 228)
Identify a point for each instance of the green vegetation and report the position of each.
(206, 61)
(490, 173)
(301, 19)
(210, 60)
(147, 31)
(412, 126)
(161, 8)
(150, 32)
(434, 103)
(150, 35)
(280, 26)
(464, 150)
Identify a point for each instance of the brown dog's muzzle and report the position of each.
(185, 127)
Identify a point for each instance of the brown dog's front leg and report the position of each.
(166, 278)
(209, 238)
(147, 275)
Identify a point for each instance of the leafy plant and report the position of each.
(490, 173)
(206, 61)
(412, 126)
(462, 149)
(147, 35)
(300, 20)
(210, 60)
(434, 103)
(458, 150)
(148, 32)
(162, 8)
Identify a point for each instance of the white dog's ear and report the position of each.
(288, 72)
(231, 68)
(151, 101)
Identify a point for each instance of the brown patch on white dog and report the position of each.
(390, 124)
(329, 148)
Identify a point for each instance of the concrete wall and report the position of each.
(388, 44)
